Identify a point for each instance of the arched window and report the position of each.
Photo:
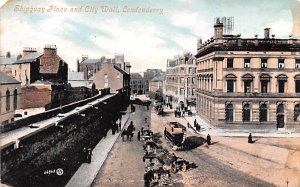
(15, 99)
(280, 109)
(263, 112)
(7, 100)
(229, 112)
(297, 112)
(246, 112)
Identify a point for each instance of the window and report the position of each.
(281, 86)
(181, 91)
(247, 63)
(181, 79)
(0, 102)
(297, 62)
(7, 100)
(230, 86)
(230, 80)
(229, 62)
(297, 112)
(246, 112)
(263, 112)
(264, 86)
(281, 63)
(264, 63)
(15, 99)
(264, 83)
(248, 79)
(194, 91)
(297, 83)
(193, 80)
(181, 70)
(190, 70)
(229, 112)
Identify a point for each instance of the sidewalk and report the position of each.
(207, 128)
(86, 173)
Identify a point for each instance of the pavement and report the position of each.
(86, 173)
(207, 128)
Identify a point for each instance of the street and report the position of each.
(227, 162)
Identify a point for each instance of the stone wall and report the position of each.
(58, 147)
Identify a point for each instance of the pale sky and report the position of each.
(146, 39)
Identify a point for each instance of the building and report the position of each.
(6, 63)
(181, 79)
(10, 100)
(249, 81)
(149, 74)
(157, 83)
(113, 77)
(33, 66)
(138, 84)
(76, 79)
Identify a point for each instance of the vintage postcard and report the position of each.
(132, 93)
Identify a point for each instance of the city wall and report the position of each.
(37, 158)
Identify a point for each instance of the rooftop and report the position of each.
(5, 79)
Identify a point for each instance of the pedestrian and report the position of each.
(188, 125)
(165, 132)
(89, 155)
(250, 138)
(120, 125)
(195, 123)
(142, 130)
(208, 139)
(139, 135)
(123, 134)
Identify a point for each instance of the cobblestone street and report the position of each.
(124, 165)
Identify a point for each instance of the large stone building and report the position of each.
(181, 79)
(10, 90)
(249, 81)
(138, 84)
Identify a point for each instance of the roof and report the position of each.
(5, 79)
(29, 57)
(91, 61)
(136, 76)
(7, 61)
(159, 77)
(41, 82)
(75, 76)
(120, 70)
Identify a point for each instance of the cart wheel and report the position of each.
(173, 169)
(184, 167)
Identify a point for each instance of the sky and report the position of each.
(147, 39)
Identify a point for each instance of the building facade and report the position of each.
(251, 81)
(10, 100)
(138, 84)
(33, 66)
(181, 79)
(113, 77)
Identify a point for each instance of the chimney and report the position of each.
(84, 57)
(218, 29)
(78, 65)
(49, 50)
(199, 43)
(28, 50)
(267, 33)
